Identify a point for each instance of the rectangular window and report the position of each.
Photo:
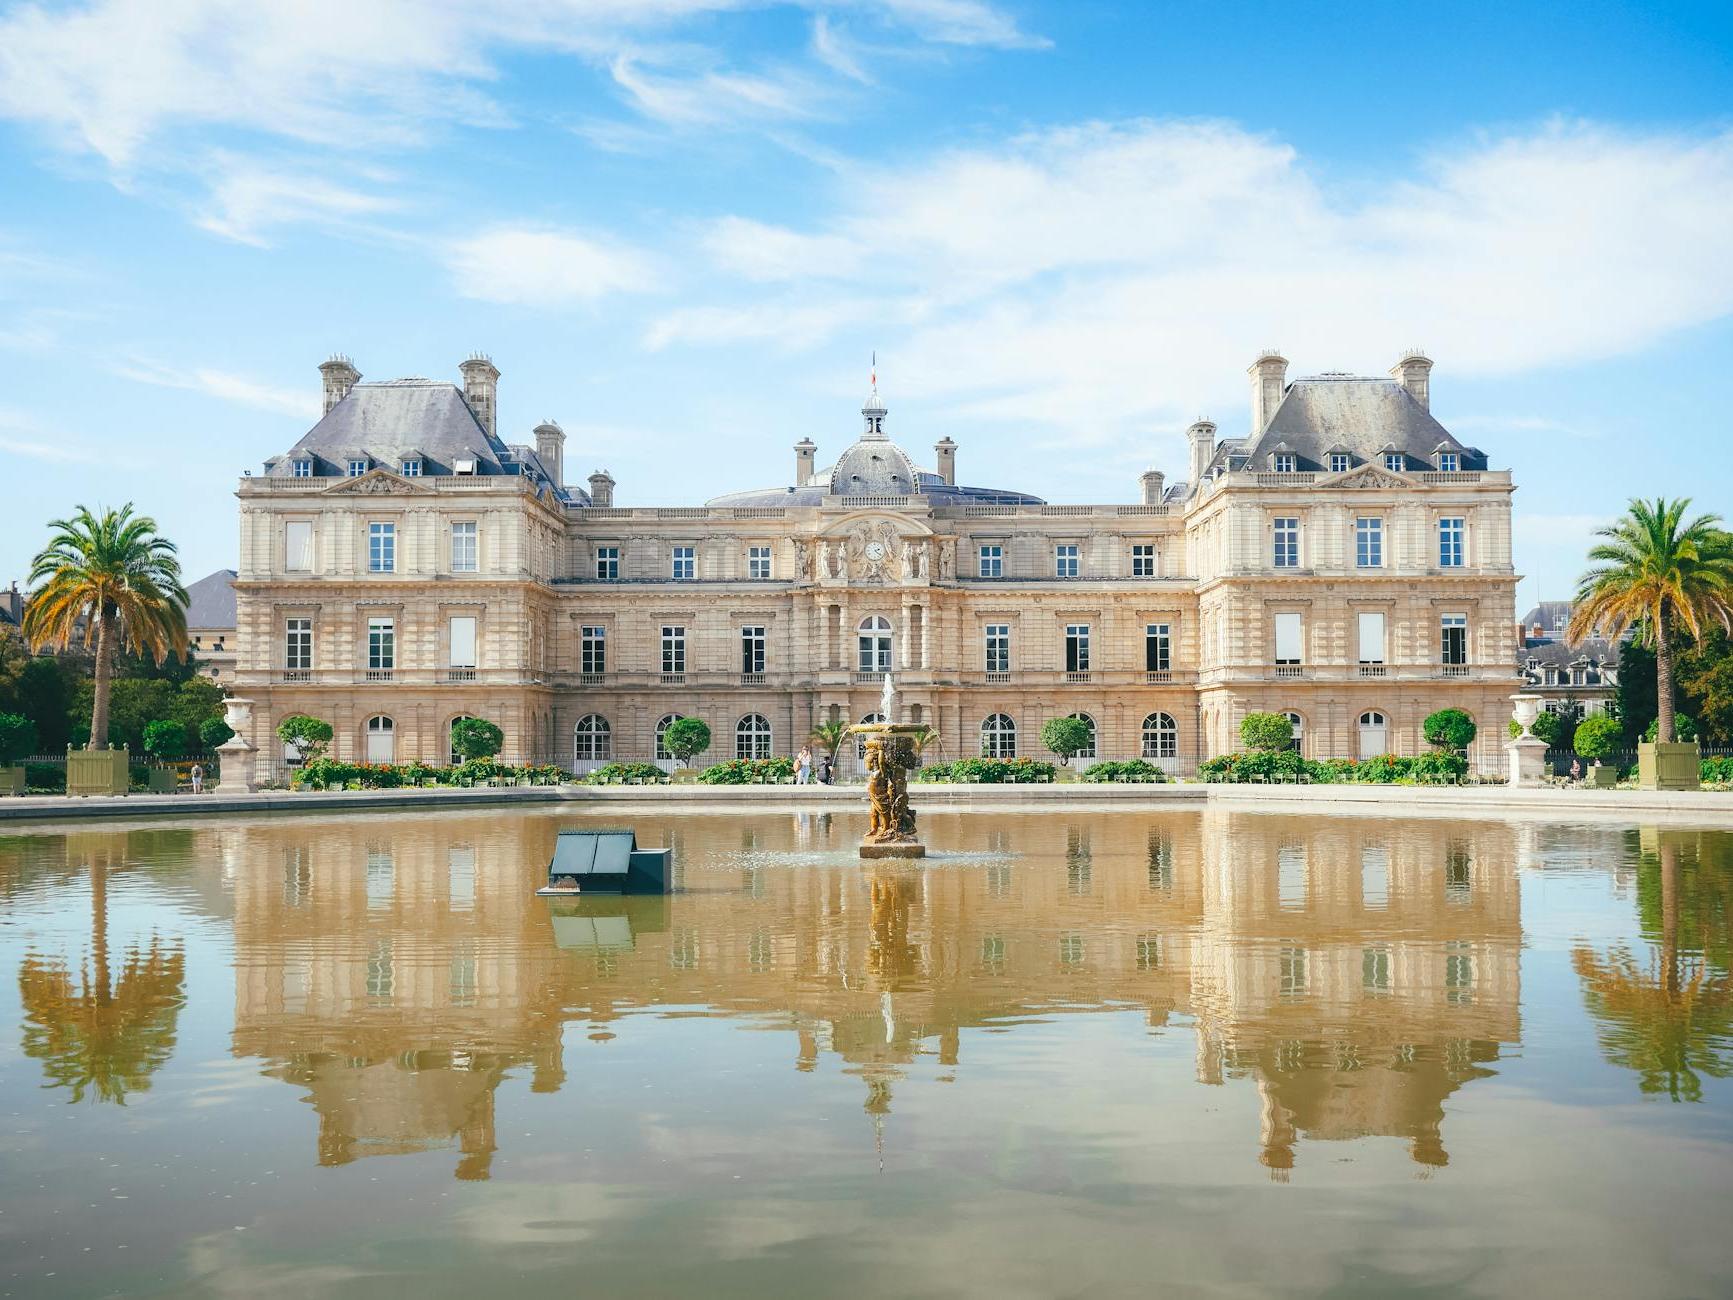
(1291, 972)
(752, 649)
(1369, 543)
(1449, 462)
(593, 650)
(1339, 462)
(357, 468)
(463, 548)
(1375, 970)
(992, 561)
(381, 644)
(382, 548)
(1064, 561)
(303, 469)
(1374, 876)
(1288, 638)
(1157, 648)
(998, 647)
(1287, 534)
(608, 563)
(1372, 638)
(1291, 877)
(758, 562)
(298, 546)
(1453, 631)
(685, 562)
(1285, 462)
(463, 641)
(412, 468)
(1393, 461)
(1077, 648)
(1450, 533)
(298, 644)
(1143, 561)
(673, 649)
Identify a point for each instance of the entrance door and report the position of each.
(1374, 734)
(381, 746)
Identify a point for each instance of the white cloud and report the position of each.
(1114, 278)
(960, 22)
(247, 199)
(22, 435)
(541, 267)
(710, 97)
(833, 49)
(225, 386)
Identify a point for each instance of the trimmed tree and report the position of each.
(165, 738)
(1451, 730)
(1684, 726)
(1065, 737)
(214, 732)
(473, 738)
(1597, 737)
(309, 736)
(17, 738)
(1268, 733)
(686, 738)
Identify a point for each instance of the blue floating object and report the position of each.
(605, 862)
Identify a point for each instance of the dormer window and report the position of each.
(1449, 462)
(357, 468)
(303, 469)
(412, 467)
(463, 465)
(1284, 462)
(1339, 462)
(1393, 461)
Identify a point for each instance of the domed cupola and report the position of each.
(874, 466)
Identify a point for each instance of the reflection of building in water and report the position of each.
(1359, 972)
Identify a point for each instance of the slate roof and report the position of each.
(1553, 615)
(211, 601)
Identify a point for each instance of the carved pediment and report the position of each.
(376, 482)
(1370, 476)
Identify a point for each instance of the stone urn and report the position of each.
(1527, 752)
(237, 757)
(1527, 710)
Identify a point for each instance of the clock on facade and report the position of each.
(875, 551)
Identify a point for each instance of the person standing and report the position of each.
(803, 766)
(198, 775)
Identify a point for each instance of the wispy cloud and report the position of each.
(248, 199)
(23, 435)
(546, 267)
(225, 386)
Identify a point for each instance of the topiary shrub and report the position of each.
(1683, 727)
(1139, 770)
(1598, 736)
(1065, 737)
(476, 738)
(628, 774)
(165, 739)
(17, 738)
(1449, 729)
(309, 736)
(214, 732)
(1266, 732)
(686, 738)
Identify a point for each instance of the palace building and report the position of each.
(1346, 561)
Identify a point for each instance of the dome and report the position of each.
(873, 467)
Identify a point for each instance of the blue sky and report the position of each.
(680, 227)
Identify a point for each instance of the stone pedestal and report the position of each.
(238, 772)
(1527, 760)
(1676, 765)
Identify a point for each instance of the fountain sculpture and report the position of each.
(890, 754)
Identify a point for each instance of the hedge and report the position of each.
(749, 771)
(628, 774)
(1138, 770)
(338, 774)
(989, 771)
(1437, 768)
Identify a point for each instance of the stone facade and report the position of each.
(402, 567)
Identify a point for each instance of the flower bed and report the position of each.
(628, 774)
(339, 774)
(749, 771)
(989, 771)
(1138, 770)
(1286, 765)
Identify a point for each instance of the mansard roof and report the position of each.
(211, 601)
(1362, 415)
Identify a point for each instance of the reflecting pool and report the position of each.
(1067, 1053)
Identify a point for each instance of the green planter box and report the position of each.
(1601, 778)
(685, 776)
(11, 780)
(96, 771)
(1676, 765)
(161, 780)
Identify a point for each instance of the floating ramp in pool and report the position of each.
(605, 862)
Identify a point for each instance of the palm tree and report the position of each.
(830, 736)
(1661, 574)
(113, 579)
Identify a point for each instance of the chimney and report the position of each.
(946, 453)
(1153, 483)
(12, 601)
(551, 447)
(602, 488)
(481, 391)
(805, 452)
(1414, 372)
(1269, 372)
(1202, 436)
(340, 376)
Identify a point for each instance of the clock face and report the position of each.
(875, 551)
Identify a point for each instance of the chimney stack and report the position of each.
(805, 452)
(12, 601)
(1269, 373)
(340, 376)
(1414, 372)
(602, 488)
(551, 447)
(1154, 481)
(945, 452)
(1202, 436)
(481, 391)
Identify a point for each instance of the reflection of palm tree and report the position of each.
(1671, 1021)
(100, 1032)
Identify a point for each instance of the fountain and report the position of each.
(890, 754)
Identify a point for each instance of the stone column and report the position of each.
(908, 635)
(927, 636)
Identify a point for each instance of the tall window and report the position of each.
(1340, 461)
(999, 737)
(381, 644)
(1065, 561)
(357, 468)
(303, 469)
(752, 737)
(1157, 647)
(1453, 631)
(1369, 543)
(381, 548)
(1372, 637)
(875, 644)
(1143, 561)
(1298, 724)
(592, 739)
(464, 552)
(1160, 736)
(667, 720)
(1393, 461)
(1285, 463)
(993, 561)
(593, 650)
(1287, 554)
(673, 649)
(463, 641)
(752, 649)
(998, 647)
(1450, 533)
(298, 644)
(685, 562)
(298, 546)
(1088, 750)
(1289, 639)
(758, 562)
(1449, 461)
(1077, 647)
(608, 562)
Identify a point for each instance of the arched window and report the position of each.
(1299, 725)
(592, 739)
(455, 757)
(998, 737)
(752, 737)
(1160, 736)
(1374, 734)
(860, 741)
(1088, 751)
(667, 721)
(875, 644)
(381, 740)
